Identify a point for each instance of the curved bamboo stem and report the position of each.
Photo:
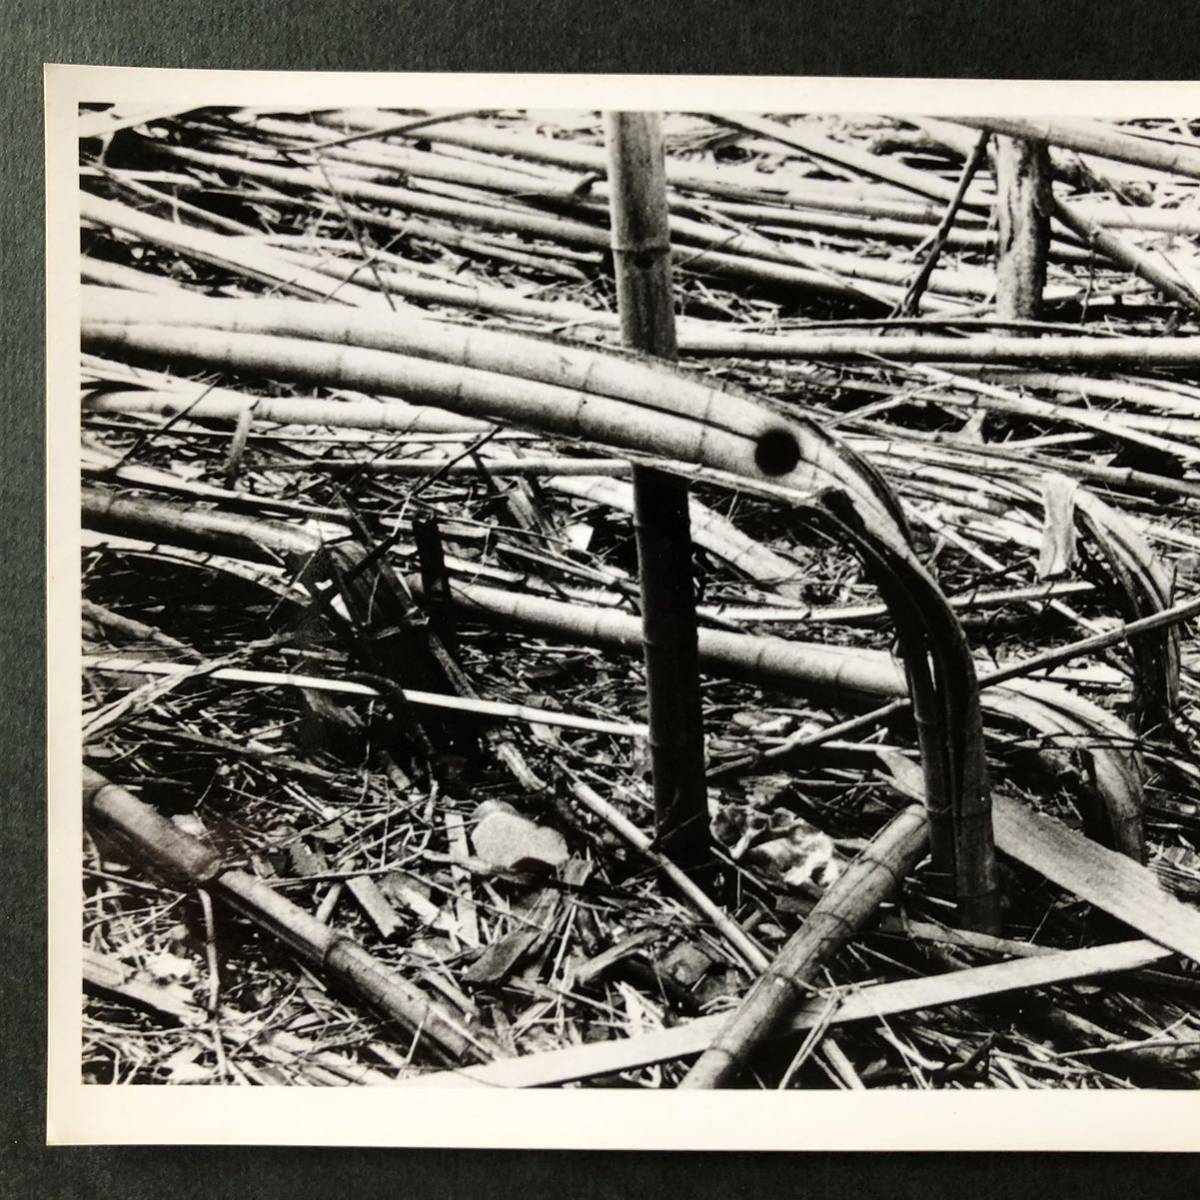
(633, 405)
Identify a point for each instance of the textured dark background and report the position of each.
(1049, 39)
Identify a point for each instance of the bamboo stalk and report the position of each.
(1120, 251)
(728, 428)
(396, 416)
(848, 904)
(757, 186)
(752, 258)
(822, 148)
(598, 1059)
(1116, 353)
(237, 254)
(1023, 209)
(529, 713)
(840, 674)
(641, 243)
(661, 413)
(151, 837)
(1093, 137)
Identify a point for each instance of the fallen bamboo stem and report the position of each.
(528, 713)
(691, 176)
(154, 839)
(755, 260)
(1093, 137)
(661, 413)
(1118, 353)
(922, 183)
(238, 254)
(1120, 251)
(847, 905)
(841, 674)
(911, 303)
(871, 1003)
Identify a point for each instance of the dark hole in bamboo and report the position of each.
(777, 452)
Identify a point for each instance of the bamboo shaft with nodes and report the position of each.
(641, 245)
(621, 403)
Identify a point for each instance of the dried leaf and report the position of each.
(1058, 553)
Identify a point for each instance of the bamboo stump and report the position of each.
(1024, 203)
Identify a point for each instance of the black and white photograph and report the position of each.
(594, 592)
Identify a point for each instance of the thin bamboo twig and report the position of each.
(747, 949)
(911, 303)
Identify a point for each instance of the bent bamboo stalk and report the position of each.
(115, 320)
(843, 675)
(647, 409)
(1144, 588)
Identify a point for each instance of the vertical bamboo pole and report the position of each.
(642, 255)
(1023, 203)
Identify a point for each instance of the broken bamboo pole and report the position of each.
(1023, 219)
(641, 244)
(845, 908)
(154, 840)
